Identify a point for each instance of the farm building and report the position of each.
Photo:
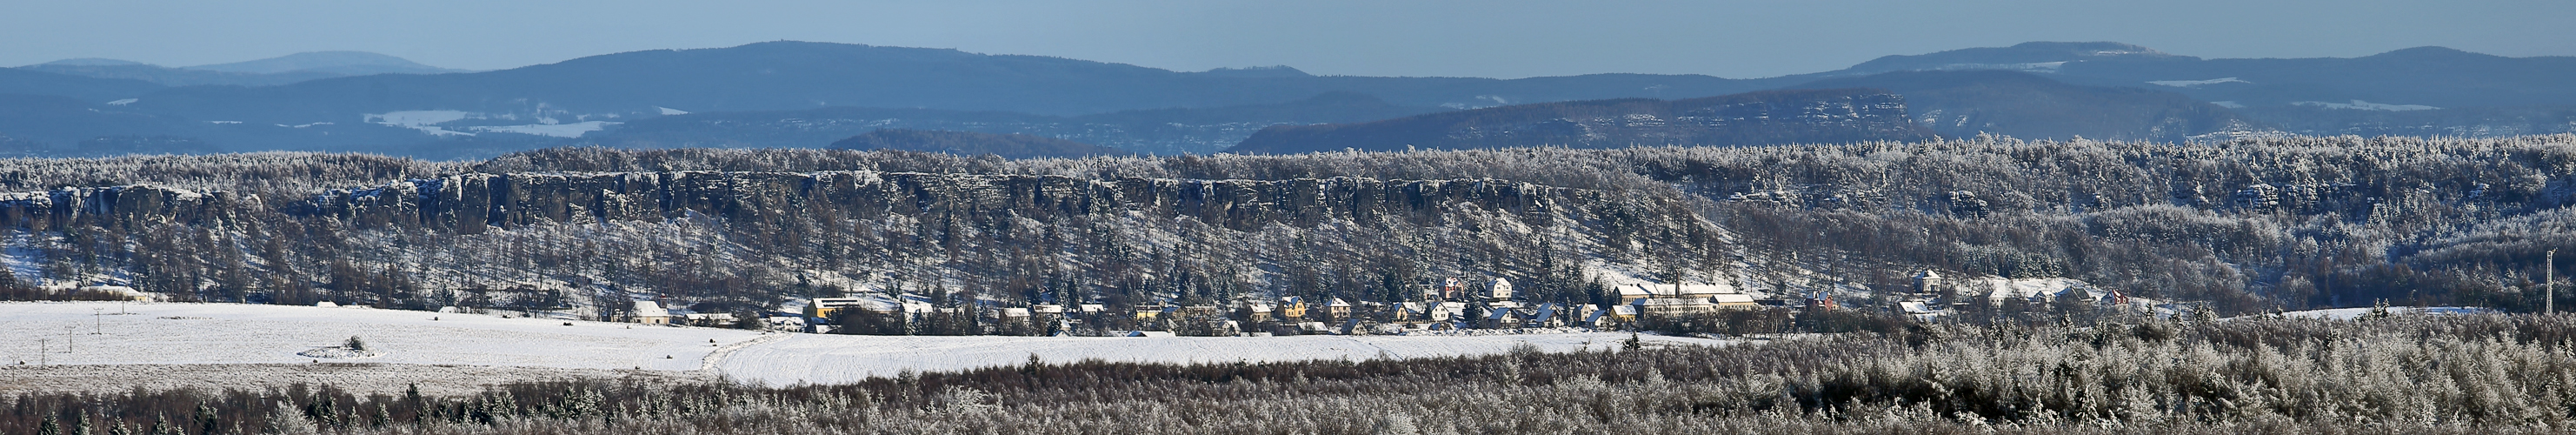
(825, 307)
(2036, 290)
(651, 313)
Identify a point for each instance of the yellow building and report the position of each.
(1292, 308)
(826, 307)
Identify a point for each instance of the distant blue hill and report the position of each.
(341, 62)
(281, 70)
(806, 94)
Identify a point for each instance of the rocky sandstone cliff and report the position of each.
(123, 206)
(475, 203)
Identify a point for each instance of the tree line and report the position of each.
(2252, 225)
(2393, 373)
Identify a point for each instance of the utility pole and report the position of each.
(98, 321)
(43, 348)
(67, 337)
(2549, 284)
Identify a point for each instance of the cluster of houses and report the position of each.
(1934, 296)
(1447, 306)
(652, 313)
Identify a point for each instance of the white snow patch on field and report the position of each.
(424, 120)
(556, 130)
(185, 333)
(2365, 105)
(2196, 83)
(2355, 313)
(416, 118)
(829, 359)
(358, 378)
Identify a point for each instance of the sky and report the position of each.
(1469, 38)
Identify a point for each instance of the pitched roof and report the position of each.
(650, 309)
(2002, 288)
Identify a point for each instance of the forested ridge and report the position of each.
(2252, 225)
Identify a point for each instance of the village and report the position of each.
(1453, 306)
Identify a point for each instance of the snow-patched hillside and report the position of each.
(180, 333)
(826, 359)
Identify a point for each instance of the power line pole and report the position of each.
(2549, 284)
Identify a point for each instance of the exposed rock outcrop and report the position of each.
(473, 203)
(116, 206)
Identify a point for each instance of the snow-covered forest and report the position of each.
(2251, 225)
(2488, 374)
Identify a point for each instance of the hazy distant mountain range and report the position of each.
(1826, 116)
(1010, 146)
(274, 71)
(802, 94)
(1968, 102)
(1156, 131)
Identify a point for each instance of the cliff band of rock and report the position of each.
(475, 203)
(125, 205)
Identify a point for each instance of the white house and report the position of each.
(1682, 298)
(1927, 282)
(651, 313)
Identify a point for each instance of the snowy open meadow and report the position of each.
(185, 333)
(114, 346)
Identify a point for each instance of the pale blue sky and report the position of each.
(1482, 38)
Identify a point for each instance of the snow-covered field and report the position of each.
(2196, 83)
(180, 333)
(168, 344)
(2355, 313)
(2365, 105)
(825, 359)
(359, 378)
